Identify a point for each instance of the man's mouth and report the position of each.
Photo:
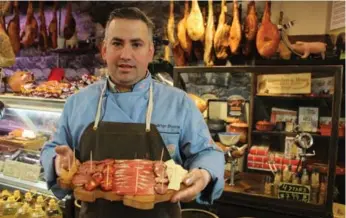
(125, 66)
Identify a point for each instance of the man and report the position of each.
(112, 119)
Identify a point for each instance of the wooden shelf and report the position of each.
(283, 133)
(296, 97)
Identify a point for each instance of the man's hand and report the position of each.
(64, 157)
(196, 180)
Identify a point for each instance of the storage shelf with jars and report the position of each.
(288, 161)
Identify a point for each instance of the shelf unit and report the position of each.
(253, 202)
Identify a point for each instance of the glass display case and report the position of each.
(25, 125)
(279, 128)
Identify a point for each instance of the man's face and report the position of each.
(127, 50)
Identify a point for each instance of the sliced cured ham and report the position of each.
(209, 36)
(221, 41)
(250, 27)
(235, 32)
(183, 37)
(195, 23)
(13, 29)
(268, 36)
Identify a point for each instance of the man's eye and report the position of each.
(117, 44)
(136, 45)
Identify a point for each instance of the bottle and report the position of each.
(11, 207)
(323, 188)
(268, 186)
(277, 180)
(24, 212)
(38, 212)
(287, 174)
(53, 210)
(305, 177)
(295, 178)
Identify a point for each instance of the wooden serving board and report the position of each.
(143, 202)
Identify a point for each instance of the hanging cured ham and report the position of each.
(70, 23)
(31, 27)
(171, 25)
(7, 57)
(183, 37)
(235, 34)
(43, 38)
(221, 41)
(53, 28)
(195, 23)
(178, 55)
(268, 36)
(209, 36)
(13, 29)
(250, 27)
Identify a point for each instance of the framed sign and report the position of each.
(337, 19)
(294, 192)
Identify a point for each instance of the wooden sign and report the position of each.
(294, 192)
(276, 84)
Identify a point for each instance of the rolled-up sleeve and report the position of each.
(198, 150)
(62, 136)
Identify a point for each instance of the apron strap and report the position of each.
(148, 114)
(99, 106)
(149, 109)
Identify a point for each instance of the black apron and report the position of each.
(124, 141)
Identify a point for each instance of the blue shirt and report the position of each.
(175, 115)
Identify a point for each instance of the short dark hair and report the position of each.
(132, 13)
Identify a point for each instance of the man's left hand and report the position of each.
(196, 180)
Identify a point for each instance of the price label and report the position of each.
(31, 172)
(294, 192)
(12, 168)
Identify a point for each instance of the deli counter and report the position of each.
(26, 123)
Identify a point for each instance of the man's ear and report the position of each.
(151, 51)
(103, 50)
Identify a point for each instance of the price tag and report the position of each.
(294, 192)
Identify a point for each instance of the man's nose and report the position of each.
(126, 53)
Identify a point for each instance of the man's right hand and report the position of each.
(64, 157)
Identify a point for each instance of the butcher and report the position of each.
(128, 115)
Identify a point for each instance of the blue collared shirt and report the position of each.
(175, 115)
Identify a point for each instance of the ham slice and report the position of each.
(183, 37)
(209, 36)
(195, 23)
(235, 34)
(268, 36)
(221, 41)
